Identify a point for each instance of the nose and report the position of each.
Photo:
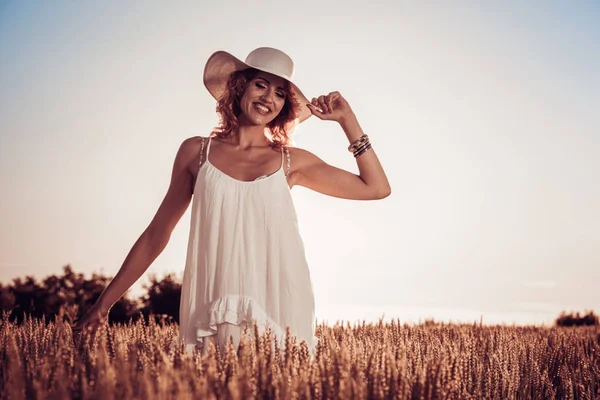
(267, 95)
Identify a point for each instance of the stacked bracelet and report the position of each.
(360, 151)
(360, 145)
(358, 142)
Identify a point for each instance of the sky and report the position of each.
(483, 115)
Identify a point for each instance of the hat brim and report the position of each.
(221, 64)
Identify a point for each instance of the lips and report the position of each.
(261, 108)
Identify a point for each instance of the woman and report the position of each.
(245, 260)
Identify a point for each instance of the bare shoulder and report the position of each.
(189, 152)
(193, 143)
(301, 158)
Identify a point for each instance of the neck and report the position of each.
(247, 136)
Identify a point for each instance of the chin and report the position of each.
(257, 119)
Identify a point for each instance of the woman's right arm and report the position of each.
(154, 238)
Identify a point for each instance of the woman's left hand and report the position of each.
(333, 107)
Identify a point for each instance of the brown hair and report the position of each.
(228, 108)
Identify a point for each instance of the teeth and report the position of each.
(261, 107)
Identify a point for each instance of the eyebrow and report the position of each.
(266, 80)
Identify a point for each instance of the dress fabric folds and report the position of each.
(245, 259)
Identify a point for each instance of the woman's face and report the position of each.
(262, 100)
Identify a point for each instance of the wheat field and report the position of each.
(352, 361)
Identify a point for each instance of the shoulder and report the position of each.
(299, 153)
(189, 150)
(194, 144)
(302, 158)
(303, 162)
(187, 147)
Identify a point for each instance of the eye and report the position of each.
(260, 85)
(281, 95)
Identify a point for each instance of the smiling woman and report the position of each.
(244, 90)
(246, 262)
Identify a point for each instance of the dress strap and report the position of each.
(287, 155)
(204, 140)
(201, 150)
(208, 146)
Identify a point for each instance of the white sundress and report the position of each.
(245, 259)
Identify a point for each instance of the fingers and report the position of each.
(316, 105)
(322, 104)
(315, 109)
(86, 323)
(329, 99)
(78, 329)
(326, 102)
(85, 332)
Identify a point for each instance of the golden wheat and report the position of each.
(361, 361)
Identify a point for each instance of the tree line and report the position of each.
(71, 290)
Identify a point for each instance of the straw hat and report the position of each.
(221, 64)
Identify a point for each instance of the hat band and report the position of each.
(271, 71)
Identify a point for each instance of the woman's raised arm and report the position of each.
(314, 173)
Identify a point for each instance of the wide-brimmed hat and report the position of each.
(221, 64)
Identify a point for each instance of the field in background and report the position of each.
(358, 361)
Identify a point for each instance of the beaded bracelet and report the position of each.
(358, 142)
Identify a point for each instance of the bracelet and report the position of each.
(354, 145)
(362, 146)
(358, 143)
(362, 151)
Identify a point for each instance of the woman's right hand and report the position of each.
(90, 321)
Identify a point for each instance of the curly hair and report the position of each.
(278, 131)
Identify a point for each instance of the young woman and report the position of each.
(245, 257)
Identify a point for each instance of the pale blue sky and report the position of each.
(484, 117)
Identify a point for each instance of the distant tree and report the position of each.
(576, 319)
(72, 291)
(162, 298)
(7, 298)
(28, 297)
(44, 299)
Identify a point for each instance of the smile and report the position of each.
(262, 109)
